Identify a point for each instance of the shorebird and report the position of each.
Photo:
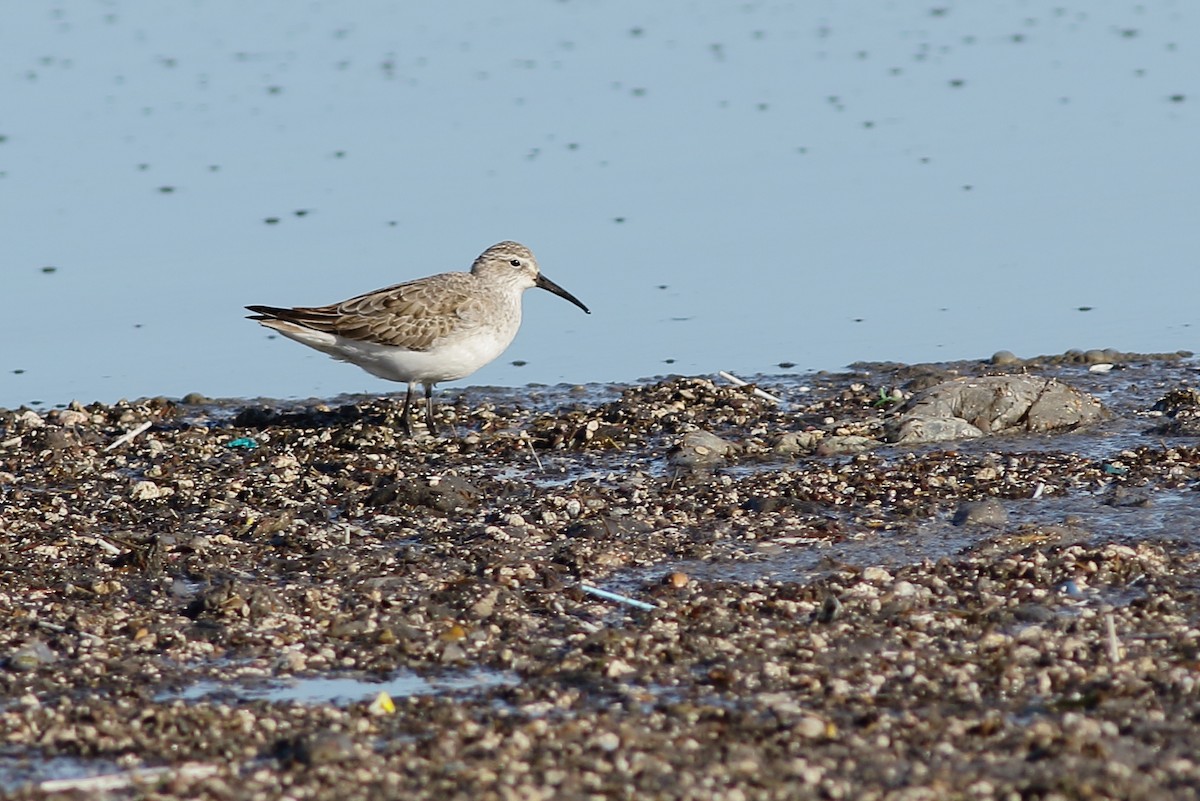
(440, 328)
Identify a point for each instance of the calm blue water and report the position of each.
(727, 188)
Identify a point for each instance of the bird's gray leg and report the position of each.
(405, 425)
(429, 409)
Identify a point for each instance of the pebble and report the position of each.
(30, 656)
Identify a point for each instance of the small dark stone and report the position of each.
(831, 607)
(445, 495)
(317, 748)
(1127, 497)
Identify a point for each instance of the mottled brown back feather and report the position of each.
(412, 315)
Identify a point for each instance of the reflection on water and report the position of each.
(746, 187)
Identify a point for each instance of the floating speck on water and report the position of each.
(339, 154)
(274, 90)
(618, 219)
(668, 361)
(957, 83)
(301, 212)
(214, 167)
(661, 286)
(786, 365)
(1086, 308)
(271, 220)
(49, 270)
(519, 362)
(638, 92)
(166, 190)
(18, 371)
(1178, 98)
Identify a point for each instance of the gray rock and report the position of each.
(971, 407)
(698, 450)
(1005, 357)
(1098, 356)
(988, 512)
(794, 442)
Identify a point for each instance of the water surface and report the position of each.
(728, 187)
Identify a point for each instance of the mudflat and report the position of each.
(249, 599)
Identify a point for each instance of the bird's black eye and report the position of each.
(515, 262)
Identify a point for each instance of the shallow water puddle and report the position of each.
(1165, 514)
(340, 690)
(27, 767)
(30, 768)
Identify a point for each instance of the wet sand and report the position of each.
(212, 608)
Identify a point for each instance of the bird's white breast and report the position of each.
(452, 357)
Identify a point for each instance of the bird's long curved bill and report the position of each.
(545, 283)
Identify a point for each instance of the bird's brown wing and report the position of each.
(413, 315)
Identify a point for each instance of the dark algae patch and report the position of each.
(1012, 614)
